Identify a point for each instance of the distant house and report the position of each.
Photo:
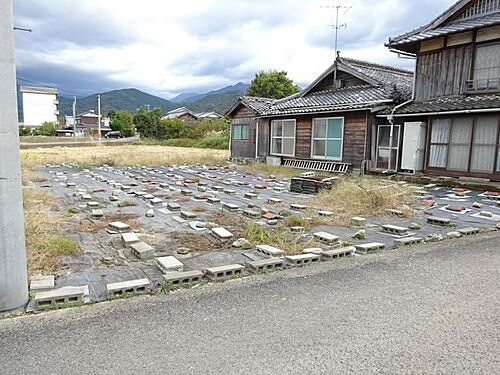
(328, 126)
(39, 105)
(208, 115)
(181, 113)
(87, 124)
(452, 124)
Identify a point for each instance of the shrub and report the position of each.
(23, 131)
(48, 129)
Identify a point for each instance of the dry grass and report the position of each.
(194, 241)
(363, 197)
(122, 155)
(262, 169)
(44, 243)
(92, 226)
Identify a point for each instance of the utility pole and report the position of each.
(74, 117)
(13, 273)
(99, 116)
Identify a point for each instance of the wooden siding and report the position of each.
(348, 80)
(264, 137)
(444, 72)
(243, 112)
(244, 149)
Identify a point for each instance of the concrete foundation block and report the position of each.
(224, 272)
(469, 231)
(129, 239)
(326, 238)
(435, 220)
(173, 206)
(369, 247)
(58, 297)
(338, 253)
(270, 251)
(119, 227)
(188, 215)
(132, 286)
(408, 241)
(169, 264)
(142, 250)
(394, 229)
(264, 265)
(174, 279)
(302, 260)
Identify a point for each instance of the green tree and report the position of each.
(23, 131)
(272, 84)
(148, 123)
(48, 129)
(111, 114)
(123, 122)
(170, 128)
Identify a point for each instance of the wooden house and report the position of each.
(452, 125)
(327, 126)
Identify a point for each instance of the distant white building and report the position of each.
(205, 115)
(39, 105)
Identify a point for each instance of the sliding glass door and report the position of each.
(385, 150)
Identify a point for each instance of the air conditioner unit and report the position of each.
(412, 158)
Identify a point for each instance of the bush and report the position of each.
(23, 131)
(47, 129)
(123, 122)
(215, 141)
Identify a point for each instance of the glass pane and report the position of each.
(289, 129)
(288, 147)
(245, 132)
(487, 62)
(383, 158)
(459, 157)
(485, 132)
(319, 148)
(440, 131)
(335, 128)
(334, 149)
(461, 131)
(236, 132)
(277, 129)
(498, 160)
(483, 159)
(276, 146)
(395, 137)
(319, 129)
(437, 156)
(484, 147)
(383, 136)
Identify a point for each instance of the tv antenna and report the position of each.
(337, 26)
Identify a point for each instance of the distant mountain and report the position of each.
(122, 100)
(192, 97)
(219, 103)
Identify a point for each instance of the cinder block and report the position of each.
(394, 212)
(183, 278)
(119, 227)
(297, 229)
(156, 201)
(408, 241)
(359, 221)
(369, 247)
(129, 239)
(188, 215)
(42, 283)
(224, 272)
(394, 229)
(169, 264)
(438, 221)
(97, 213)
(469, 231)
(230, 207)
(251, 214)
(325, 213)
(338, 253)
(302, 260)
(263, 265)
(274, 201)
(297, 207)
(326, 238)
(173, 206)
(229, 191)
(58, 297)
(222, 233)
(213, 200)
(186, 192)
(142, 250)
(270, 251)
(132, 286)
(251, 195)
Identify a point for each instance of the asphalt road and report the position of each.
(431, 309)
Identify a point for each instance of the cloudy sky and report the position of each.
(166, 47)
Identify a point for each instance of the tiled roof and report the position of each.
(458, 26)
(259, 105)
(357, 97)
(449, 104)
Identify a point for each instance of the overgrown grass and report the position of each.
(217, 142)
(44, 242)
(122, 155)
(363, 197)
(262, 169)
(46, 139)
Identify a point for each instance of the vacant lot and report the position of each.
(128, 155)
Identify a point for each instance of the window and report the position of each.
(386, 151)
(440, 137)
(283, 137)
(484, 145)
(241, 132)
(460, 138)
(487, 67)
(328, 138)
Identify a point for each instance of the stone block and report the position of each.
(251, 214)
(264, 265)
(119, 227)
(132, 286)
(270, 251)
(394, 229)
(173, 206)
(369, 247)
(222, 233)
(173, 279)
(188, 215)
(435, 220)
(224, 272)
(156, 201)
(58, 297)
(302, 259)
(42, 283)
(129, 238)
(338, 253)
(142, 250)
(408, 241)
(326, 238)
(469, 231)
(359, 221)
(97, 213)
(169, 264)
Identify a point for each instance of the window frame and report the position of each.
(390, 148)
(240, 126)
(326, 139)
(472, 83)
(447, 144)
(282, 137)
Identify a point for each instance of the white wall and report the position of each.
(38, 108)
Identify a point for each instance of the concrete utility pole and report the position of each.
(99, 116)
(13, 273)
(74, 117)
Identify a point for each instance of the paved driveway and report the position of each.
(432, 309)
